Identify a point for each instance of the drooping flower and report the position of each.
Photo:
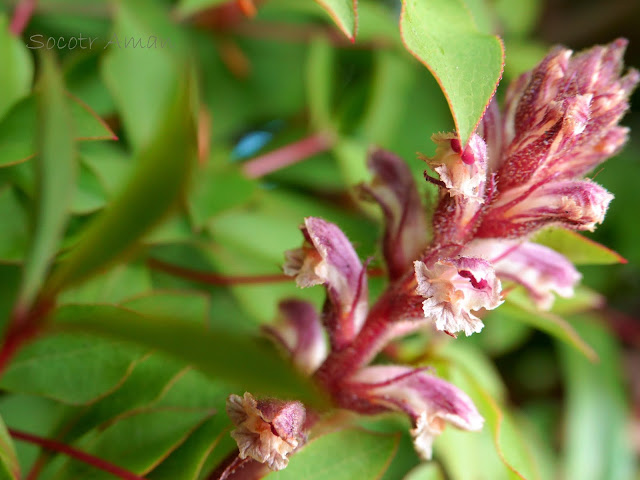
(299, 332)
(539, 269)
(453, 288)
(429, 401)
(394, 189)
(327, 257)
(266, 430)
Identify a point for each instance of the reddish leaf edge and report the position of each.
(344, 28)
(444, 91)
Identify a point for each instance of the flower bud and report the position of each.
(266, 430)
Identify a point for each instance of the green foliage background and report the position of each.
(117, 161)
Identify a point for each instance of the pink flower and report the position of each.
(453, 288)
(429, 401)
(327, 257)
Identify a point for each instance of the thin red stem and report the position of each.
(21, 16)
(84, 457)
(287, 155)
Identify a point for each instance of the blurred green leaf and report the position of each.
(137, 442)
(467, 63)
(18, 141)
(74, 369)
(518, 18)
(343, 455)
(187, 461)
(234, 358)
(55, 174)
(320, 76)
(89, 195)
(9, 467)
(216, 190)
(426, 471)
(17, 67)
(159, 180)
(14, 227)
(189, 7)
(520, 308)
(597, 413)
(154, 67)
(580, 250)
(188, 306)
(344, 13)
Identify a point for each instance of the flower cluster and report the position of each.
(521, 172)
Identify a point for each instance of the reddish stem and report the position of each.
(84, 457)
(287, 155)
(21, 16)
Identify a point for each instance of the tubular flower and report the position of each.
(429, 401)
(453, 287)
(266, 430)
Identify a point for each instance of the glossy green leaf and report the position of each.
(234, 358)
(466, 62)
(70, 368)
(343, 455)
(9, 467)
(344, 13)
(17, 67)
(55, 173)
(597, 410)
(18, 141)
(520, 308)
(577, 248)
(158, 182)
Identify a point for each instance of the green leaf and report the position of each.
(189, 7)
(17, 68)
(466, 62)
(597, 409)
(89, 195)
(187, 462)
(154, 70)
(18, 141)
(344, 13)
(137, 443)
(580, 250)
(14, 227)
(55, 173)
(9, 467)
(520, 308)
(74, 369)
(216, 190)
(187, 306)
(319, 73)
(343, 455)
(235, 358)
(158, 182)
(426, 471)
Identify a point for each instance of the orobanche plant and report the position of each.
(155, 291)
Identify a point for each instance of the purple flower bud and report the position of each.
(453, 287)
(578, 205)
(327, 257)
(429, 401)
(299, 332)
(539, 269)
(266, 430)
(395, 191)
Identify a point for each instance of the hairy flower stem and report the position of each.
(84, 457)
